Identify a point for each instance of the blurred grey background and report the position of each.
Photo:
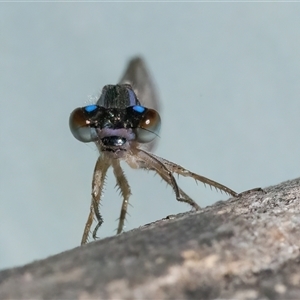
(228, 78)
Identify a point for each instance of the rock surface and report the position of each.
(242, 248)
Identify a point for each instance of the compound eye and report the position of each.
(79, 123)
(149, 126)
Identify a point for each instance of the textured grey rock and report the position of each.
(242, 248)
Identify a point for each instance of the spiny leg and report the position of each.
(186, 173)
(87, 227)
(184, 197)
(125, 191)
(165, 176)
(98, 217)
(97, 187)
(153, 163)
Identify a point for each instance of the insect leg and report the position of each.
(186, 173)
(125, 191)
(153, 163)
(97, 187)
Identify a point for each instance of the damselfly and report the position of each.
(124, 124)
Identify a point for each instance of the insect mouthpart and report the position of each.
(113, 141)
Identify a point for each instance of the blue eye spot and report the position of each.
(90, 108)
(138, 108)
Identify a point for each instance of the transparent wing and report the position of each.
(138, 76)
